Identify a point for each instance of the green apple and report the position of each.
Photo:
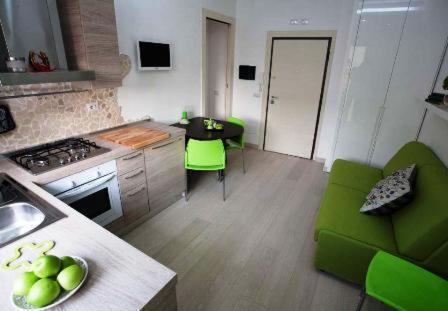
(46, 266)
(43, 292)
(23, 283)
(67, 261)
(70, 277)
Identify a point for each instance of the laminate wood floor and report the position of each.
(254, 251)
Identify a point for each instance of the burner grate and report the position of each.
(50, 156)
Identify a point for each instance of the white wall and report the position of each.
(254, 19)
(163, 95)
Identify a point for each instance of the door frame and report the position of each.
(207, 14)
(303, 35)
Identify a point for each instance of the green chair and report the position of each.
(403, 285)
(237, 142)
(206, 155)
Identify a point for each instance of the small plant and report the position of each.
(445, 83)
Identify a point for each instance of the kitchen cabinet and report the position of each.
(394, 64)
(90, 38)
(132, 179)
(130, 162)
(150, 180)
(135, 204)
(374, 54)
(133, 192)
(416, 66)
(165, 173)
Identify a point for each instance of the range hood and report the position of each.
(19, 78)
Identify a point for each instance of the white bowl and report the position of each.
(19, 302)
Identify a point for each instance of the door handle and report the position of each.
(134, 175)
(171, 142)
(132, 156)
(86, 187)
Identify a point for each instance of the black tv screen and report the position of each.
(154, 56)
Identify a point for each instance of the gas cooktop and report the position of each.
(48, 157)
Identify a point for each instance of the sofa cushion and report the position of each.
(354, 175)
(339, 213)
(391, 193)
(413, 152)
(422, 226)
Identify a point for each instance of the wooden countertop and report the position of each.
(120, 276)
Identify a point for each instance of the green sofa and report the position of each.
(347, 240)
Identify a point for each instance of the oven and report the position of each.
(93, 193)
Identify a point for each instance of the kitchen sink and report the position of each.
(17, 219)
(21, 211)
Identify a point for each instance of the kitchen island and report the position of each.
(120, 276)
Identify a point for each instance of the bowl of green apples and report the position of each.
(51, 281)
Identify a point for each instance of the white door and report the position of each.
(217, 58)
(296, 84)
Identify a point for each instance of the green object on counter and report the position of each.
(184, 115)
(44, 247)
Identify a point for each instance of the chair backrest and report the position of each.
(205, 153)
(239, 122)
(422, 226)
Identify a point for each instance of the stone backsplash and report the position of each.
(42, 119)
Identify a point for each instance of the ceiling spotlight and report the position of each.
(304, 21)
(294, 21)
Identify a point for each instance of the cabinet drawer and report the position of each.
(132, 179)
(130, 162)
(165, 174)
(135, 203)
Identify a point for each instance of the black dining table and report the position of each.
(196, 130)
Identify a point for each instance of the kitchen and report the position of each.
(54, 109)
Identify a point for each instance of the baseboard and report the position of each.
(320, 160)
(129, 227)
(253, 146)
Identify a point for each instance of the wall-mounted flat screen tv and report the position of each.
(154, 55)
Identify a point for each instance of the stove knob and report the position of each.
(83, 155)
(62, 161)
(77, 156)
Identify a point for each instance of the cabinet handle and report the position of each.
(135, 175)
(136, 192)
(132, 156)
(171, 142)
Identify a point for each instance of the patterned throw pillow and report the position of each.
(390, 193)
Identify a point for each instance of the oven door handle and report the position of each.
(85, 187)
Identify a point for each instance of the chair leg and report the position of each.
(361, 299)
(223, 185)
(244, 166)
(186, 185)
